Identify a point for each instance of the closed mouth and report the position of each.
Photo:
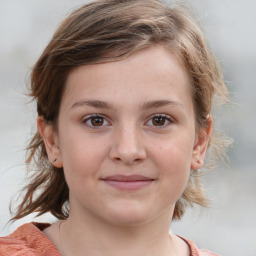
(128, 182)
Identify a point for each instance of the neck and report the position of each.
(93, 237)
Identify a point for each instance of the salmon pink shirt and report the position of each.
(29, 240)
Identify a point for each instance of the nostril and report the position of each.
(127, 160)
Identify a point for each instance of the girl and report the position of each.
(124, 93)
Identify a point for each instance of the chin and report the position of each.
(129, 221)
(129, 216)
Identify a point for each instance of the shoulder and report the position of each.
(28, 240)
(195, 251)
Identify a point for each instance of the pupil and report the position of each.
(97, 121)
(158, 120)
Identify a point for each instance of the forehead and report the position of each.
(149, 73)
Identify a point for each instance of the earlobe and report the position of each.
(201, 145)
(51, 141)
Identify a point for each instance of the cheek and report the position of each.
(82, 158)
(173, 161)
(175, 153)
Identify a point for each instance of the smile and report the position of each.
(131, 182)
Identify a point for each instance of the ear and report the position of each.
(200, 146)
(51, 141)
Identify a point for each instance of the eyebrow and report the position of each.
(92, 103)
(160, 103)
(104, 105)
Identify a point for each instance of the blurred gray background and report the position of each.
(229, 225)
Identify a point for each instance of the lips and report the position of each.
(128, 182)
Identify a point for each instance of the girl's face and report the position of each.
(126, 137)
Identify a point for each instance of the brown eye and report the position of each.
(159, 120)
(97, 121)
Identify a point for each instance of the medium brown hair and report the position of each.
(110, 30)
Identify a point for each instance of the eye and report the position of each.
(160, 120)
(95, 121)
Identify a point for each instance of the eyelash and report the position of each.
(166, 117)
(90, 118)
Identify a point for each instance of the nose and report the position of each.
(127, 146)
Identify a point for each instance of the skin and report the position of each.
(128, 139)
